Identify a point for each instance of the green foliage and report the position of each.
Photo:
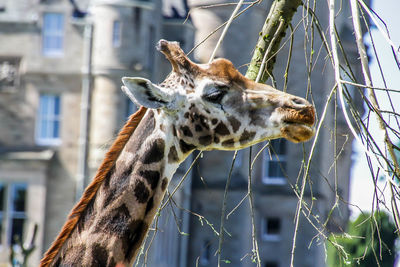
(369, 241)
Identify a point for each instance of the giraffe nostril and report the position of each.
(299, 101)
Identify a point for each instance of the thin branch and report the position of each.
(221, 229)
(221, 38)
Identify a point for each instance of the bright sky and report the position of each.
(361, 181)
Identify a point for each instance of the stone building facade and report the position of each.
(46, 66)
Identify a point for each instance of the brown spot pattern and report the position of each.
(198, 128)
(141, 192)
(246, 137)
(99, 255)
(155, 152)
(228, 143)
(205, 140)
(221, 129)
(234, 123)
(203, 121)
(164, 184)
(172, 155)
(134, 235)
(116, 222)
(118, 183)
(186, 131)
(185, 147)
(152, 177)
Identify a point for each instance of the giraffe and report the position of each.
(198, 106)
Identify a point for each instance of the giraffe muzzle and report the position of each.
(298, 124)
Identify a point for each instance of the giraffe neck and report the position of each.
(112, 228)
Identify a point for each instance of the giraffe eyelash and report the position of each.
(216, 94)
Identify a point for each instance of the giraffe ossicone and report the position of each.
(198, 106)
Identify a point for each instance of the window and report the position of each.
(17, 210)
(13, 210)
(116, 33)
(9, 73)
(53, 34)
(48, 120)
(271, 264)
(270, 229)
(137, 19)
(274, 170)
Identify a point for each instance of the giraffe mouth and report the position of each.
(299, 126)
(297, 132)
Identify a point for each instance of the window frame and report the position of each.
(54, 34)
(265, 236)
(50, 118)
(269, 157)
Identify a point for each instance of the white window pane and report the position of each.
(59, 22)
(56, 105)
(275, 165)
(53, 33)
(43, 129)
(44, 105)
(49, 119)
(57, 42)
(56, 129)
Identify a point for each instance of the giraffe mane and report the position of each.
(89, 193)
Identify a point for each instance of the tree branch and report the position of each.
(271, 35)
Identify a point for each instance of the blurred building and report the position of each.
(61, 106)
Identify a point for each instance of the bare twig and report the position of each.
(222, 221)
(228, 24)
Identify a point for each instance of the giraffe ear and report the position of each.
(144, 93)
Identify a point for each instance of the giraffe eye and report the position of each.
(216, 94)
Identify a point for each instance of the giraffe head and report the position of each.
(213, 106)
